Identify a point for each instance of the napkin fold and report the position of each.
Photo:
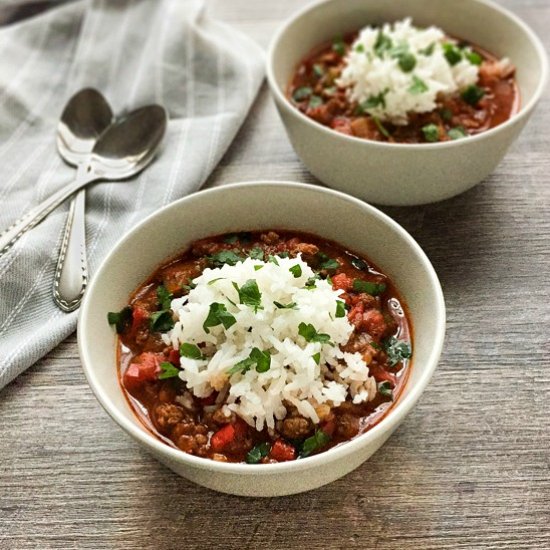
(135, 52)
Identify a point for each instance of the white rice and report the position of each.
(367, 74)
(294, 376)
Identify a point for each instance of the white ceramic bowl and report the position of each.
(404, 174)
(253, 206)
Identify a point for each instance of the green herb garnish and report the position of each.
(317, 357)
(340, 308)
(383, 43)
(385, 389)
(120, 319)
(291, 305)
(164, 297)
(372, 102)
(302, 93)
(406, 61)
(381, 127)
(397, 350)
(211, 282)
(249, 294)
(472, 94)
(452, 53)
(232, 238)
(224, 257)
(318, 440)
(446, 114)
(310, 334)
(161, 321)
(429, 50)
(273, 259)
(318, 70)
(360, 48)
(168, 371)
(374, 289)
(418, 86)
(457, 133)
(311, 282)
(338, 45)
(218, 315)
(296, 270)
(191, 351)
(262, 360)
(189, 286)
(315, 101)
(257, 453)
(431, 132)
(473, 57)
(256, 253)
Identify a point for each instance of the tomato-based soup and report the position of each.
(150, 368)
(315, 90)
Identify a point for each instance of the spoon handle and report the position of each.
(71, 272)
(32, 218)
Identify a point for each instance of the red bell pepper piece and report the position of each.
(223, 437)
(145, 368)
(282, 451)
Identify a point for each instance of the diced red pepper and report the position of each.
(138, 316)
(282, 451)
(223, 437)
(145, 368)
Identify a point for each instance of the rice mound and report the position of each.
(294, 375)
(367, 74)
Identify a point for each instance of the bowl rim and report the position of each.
(524, 110)
(396, 414)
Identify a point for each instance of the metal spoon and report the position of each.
(86, 116)
(125, 149)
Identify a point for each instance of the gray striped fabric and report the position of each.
(135, 52)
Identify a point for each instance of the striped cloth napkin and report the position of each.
(135, 52)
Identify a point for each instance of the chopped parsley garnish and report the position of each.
(418, 86)
(397, 350)
(211, 282)
(357, 263)
(191, 351)
(318, 440)
(473, 57)
(318, 70)
(224, 257)
(291, 305)
(383, 43)
(385, 389)
(406, 61)
(168, 371)
(256, 253)
(296, 270)
(429, 50)
(431, 132)
(257, 453)
(262, 360)
(273, 259)
(315, 101)
(249, 294)
(258, 267)
(340, 308)
(360, 48)
(338, 45)
(218, 315)
(472, 94)
(375, 345)
(374, 289)
(189, 286)
(302, 93)
(120, 319)
(310, 334)
(317, 357)
(446, 114)
(457, 133)
(452, 53)
(164, 297)
(311, 283)
(161, 321)
(382, 129)
(232, 238)
(372, 102)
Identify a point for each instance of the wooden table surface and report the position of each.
(470, 466)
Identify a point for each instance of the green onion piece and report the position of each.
(296, 270)
(457, 133)
(397, 350)
(472, 94)
(374, 289)
(191, 351)
(257, 453)
(218, 315)
(418, 86)
(385, 389)
(340, 308)
(431, 133)
(318, 440)
(310, 334)
(168, 371)
(120, 319)
(161, 321)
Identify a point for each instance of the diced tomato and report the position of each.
(282, 451)
(342, 125)
(342, 281)
(138, 316)
(382, 375)
(223, 437)
(174, 357)
(145, 368)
